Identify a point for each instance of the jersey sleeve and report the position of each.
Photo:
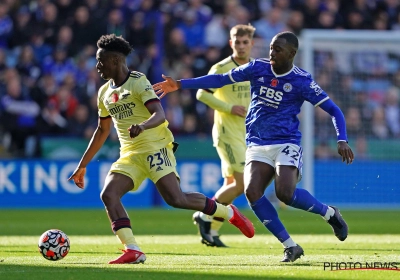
(213, 102)
(242, 73)
(144, 89)
(214, 70)
(102, 111)
(206, 95)
(312, 92)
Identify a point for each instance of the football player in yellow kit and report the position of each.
(128, 100)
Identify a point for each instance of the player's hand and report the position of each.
(165, 87)
(239, 110)
(135, 130)
(79, 177)
(345, 151)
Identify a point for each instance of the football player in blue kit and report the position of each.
(278, 89)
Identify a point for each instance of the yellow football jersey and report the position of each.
(126, 105)
(227, 127)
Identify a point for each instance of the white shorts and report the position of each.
(278, 154)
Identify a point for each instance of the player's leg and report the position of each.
(232, 165)
(116, 186)
(168, 187)
(288, 172)
(233, 188)
(208, 226)
(226, 195)
(259, 173)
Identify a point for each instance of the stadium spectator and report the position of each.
(49, 23)
(6, 25)
(96, 10)
(138, 34)
(392, 111)
(354, 122)
(194, 31)
(116, 23)
(59, 65)
(379, 126)
(64, 40)
(295, 22)
(270, 24)
(3, 68)
(19, 117)
(28, 67)
(311, 10)
(85, 30)
(64, 101)
(41, 50)
(22, 28)
(79, 121)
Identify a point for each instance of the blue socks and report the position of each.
(267, 214)
(302, 199)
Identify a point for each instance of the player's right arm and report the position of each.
(207, 96)
(219, 105)
(99, 137)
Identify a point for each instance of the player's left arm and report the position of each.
(340, 126)
(157, 117)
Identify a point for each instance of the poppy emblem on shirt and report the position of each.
(114, 97)
(274, 82)
(287, 87)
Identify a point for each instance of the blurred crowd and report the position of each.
(48, 80)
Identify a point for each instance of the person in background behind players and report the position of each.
(230, 105)
(129, 101)
(278, 88)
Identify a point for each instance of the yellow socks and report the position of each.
(125, 235)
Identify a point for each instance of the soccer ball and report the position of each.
(54, 244)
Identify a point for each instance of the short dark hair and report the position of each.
(114, 43)
(290, 38)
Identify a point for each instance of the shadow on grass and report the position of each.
(64, 272)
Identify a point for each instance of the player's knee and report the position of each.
(174, 201)
(106, 196)
(252, 194)
(284, 195)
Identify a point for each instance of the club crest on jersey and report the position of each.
(274, 82)
(125, 95)
(114, 97)
(287, 87)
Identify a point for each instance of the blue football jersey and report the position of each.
(276, 101)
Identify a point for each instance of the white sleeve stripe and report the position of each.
(230, 76)
(322, 101)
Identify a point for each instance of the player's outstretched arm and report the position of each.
(99, 137)
(167, 86)
(207, 81)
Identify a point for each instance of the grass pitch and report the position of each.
(173, 249)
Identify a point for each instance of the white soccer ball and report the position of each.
(54, 244)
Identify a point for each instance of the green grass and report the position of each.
(174, 252)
